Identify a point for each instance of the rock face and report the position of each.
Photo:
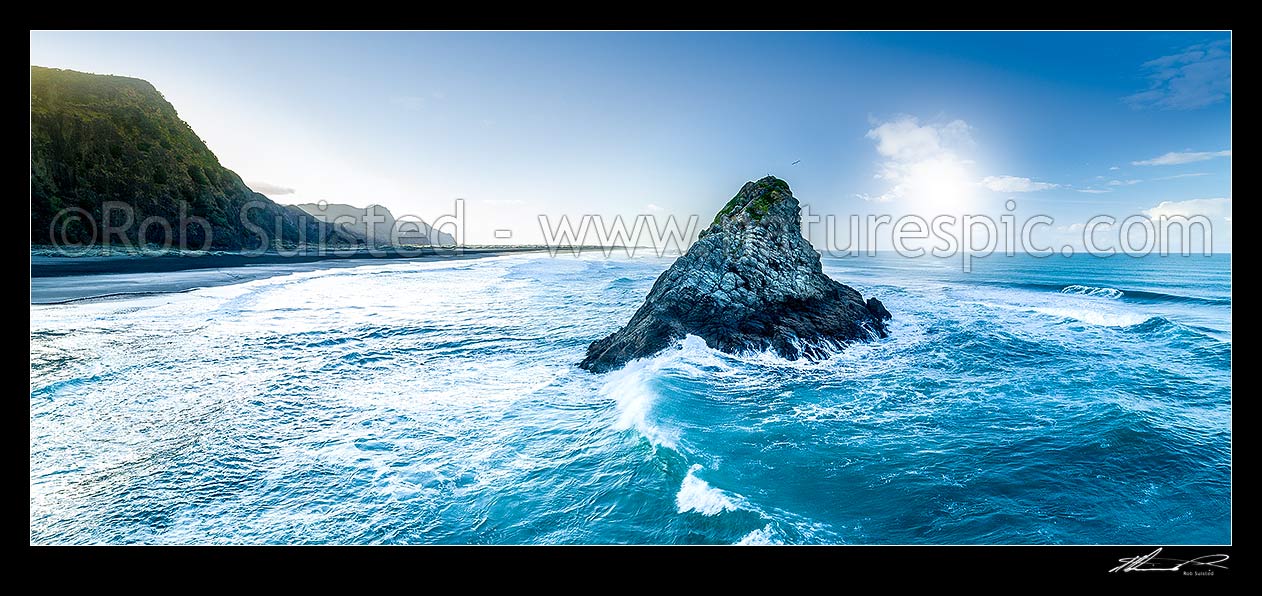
(751, 281)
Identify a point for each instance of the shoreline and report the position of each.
(64, 280)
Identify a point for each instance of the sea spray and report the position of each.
(697, 495)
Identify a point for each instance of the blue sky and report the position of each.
(1070, 125)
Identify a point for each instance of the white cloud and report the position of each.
(1196, 77)
(1176, 176)
(1123, 182)
(905, 139)
(1098, 228)
(1175, 158)
(923, 165)
(1015, 184)
(268, 188)
(1093, 191)
(652, 207)
(1211, 208)
(1114, 168)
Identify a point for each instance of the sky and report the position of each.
(522, 124)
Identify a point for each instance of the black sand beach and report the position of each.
(59, 279)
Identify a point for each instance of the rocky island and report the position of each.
(750, 282)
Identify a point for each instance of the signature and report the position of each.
(1151, 562)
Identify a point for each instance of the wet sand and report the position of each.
(57, 279)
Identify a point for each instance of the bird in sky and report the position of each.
(796, 162)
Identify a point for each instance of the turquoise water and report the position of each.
(1059, 400)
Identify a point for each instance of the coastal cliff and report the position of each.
(377, 225)
(98, 139)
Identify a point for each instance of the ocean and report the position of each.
(1058, 400)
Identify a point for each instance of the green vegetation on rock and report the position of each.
(100, 138)
(757, 200)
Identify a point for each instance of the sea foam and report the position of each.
(1110, 293)
(760, 537)
(697, 495)
(631, 388)
(1094, 317)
